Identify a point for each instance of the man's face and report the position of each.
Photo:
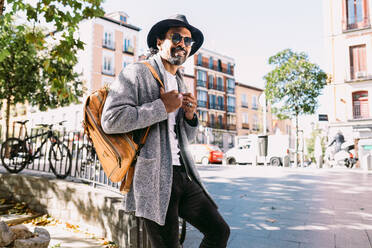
(175, 53)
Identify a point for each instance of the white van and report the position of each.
(247, 150)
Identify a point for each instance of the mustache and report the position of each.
(179, 48)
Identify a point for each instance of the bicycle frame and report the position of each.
(27, 140)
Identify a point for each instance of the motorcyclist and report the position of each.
(337, 140)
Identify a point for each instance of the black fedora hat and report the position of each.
(175, 21)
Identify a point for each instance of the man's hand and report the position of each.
(189, 105)
(172, 100)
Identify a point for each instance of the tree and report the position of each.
(34, 65)
(293, 86)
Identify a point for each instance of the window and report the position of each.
(212, 121)
(128, 46)
(123, 18)
(254, 102)
(125, 64)
(220, 105)
(200, 59)
(231, 119)
(202, 115)
(108, 40)
(220, 123)
(202, 98)
(211, 62)
(212, 102)
(255, 122)
(245, 118)
(201, 78)
(244, 101)
(230, 86)
(228, 68)
(230, 104)
(210, 82)
(219, 65)
(358, 67)
(107, 65)
(360, 105)
(356, 14)
(220, 84)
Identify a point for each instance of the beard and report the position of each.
(177, 56)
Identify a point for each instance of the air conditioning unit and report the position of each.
(361, 74)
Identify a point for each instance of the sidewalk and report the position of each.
(271, 207)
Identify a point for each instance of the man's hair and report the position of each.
(160, 36)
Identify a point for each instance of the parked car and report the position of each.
(206, 154)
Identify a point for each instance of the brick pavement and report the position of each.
(270, 207)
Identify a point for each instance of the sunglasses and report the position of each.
(177, 38)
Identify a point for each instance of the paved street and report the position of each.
(270, 207)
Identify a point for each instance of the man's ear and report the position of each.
(159, 42)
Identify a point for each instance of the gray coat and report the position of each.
(133, 103)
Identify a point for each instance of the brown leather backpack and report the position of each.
(117, 153)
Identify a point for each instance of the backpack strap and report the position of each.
(127, 181)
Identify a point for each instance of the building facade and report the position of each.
(249, 118)
(215, 92)
(349, 46)
(110, 44)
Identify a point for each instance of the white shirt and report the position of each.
(171, 84)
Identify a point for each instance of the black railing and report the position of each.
(201, 83)
(230, 108)
(230, 90)
(202, 104)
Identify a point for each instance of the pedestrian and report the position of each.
(166, 183)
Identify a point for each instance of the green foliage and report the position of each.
(311, 143)
(294, 84)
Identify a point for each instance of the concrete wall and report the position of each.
(96, 210)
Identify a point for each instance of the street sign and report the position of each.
(323, 117)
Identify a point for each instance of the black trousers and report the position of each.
(189, 202)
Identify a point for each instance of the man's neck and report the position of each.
(169, 67)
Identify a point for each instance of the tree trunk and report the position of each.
(7, 118)
(2, 8)
(296, 158)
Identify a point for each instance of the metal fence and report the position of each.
(85, 164)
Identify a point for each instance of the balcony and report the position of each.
(244, 105)
(202, 104)
(231, 127)
(255, 107)
(231, 109)
(201, 83)
(358, 75)
(128, 50)
(348, 27)
(108, 73)
(220, 88)
(245, 125)
(230, 90)
(108, 44)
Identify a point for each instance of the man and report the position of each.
(338, 140)
(166, 184)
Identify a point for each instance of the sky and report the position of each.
(248, 31)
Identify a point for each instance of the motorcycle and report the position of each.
(344, 157)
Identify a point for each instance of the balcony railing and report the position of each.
(358, 113)
(255, 107)
(231, 127)
(245, 125)
(108, 44)
(109, 73)
(244, 105)
(202, 104)
(230, 90)
(220, 88)
(230, 108)
(201, 83)
(358, 25)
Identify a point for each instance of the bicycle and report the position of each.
(17, 153)
(87, 156)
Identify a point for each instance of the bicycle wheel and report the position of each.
(14, 155)
(86, 156)
(60, 160)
